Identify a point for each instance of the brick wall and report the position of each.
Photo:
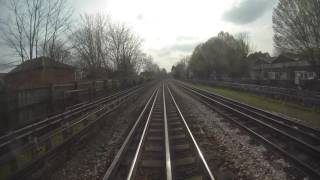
(39, 77)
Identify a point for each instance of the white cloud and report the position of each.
(247, 11)
(171, 27)
(168, 27)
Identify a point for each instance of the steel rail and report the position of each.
(312, 148)
(115, 163)
(152, 148)
(300, 128)
(166, 133)
(290, 93)
(88, 103)
(203, 161)
(138, 152)
(53, 120)
(292, 157)
(287, 127)
(68, 112)
(50, 124)
(304, 136)
(100, 113)
(311, 131)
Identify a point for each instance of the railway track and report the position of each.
(23, 150)
(160, 145)
(298, 143)
(306, 97)
(23, 135)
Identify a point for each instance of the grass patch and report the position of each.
(297, 111)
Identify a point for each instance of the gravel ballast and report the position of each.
(91, 160)
(230, 151)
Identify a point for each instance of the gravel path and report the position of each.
(90, 161)
(230, 152)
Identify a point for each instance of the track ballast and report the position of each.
(160, 145)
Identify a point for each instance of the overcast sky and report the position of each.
(172, 28)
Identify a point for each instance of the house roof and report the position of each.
(39, 63)
(263, 60)
(282, 59)
(2, 75)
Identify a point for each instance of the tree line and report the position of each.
(296, 27)
(221, 56)
(93, 43)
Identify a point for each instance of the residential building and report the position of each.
(37, 72)
(285, 70)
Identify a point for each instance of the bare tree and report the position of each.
(57, 21)
(124, 49)
(102, 44)
(150, 66)
(150, 69)
(32, 25)
(142, 60)
(59, 50)
(90, 43)
(244, 46)
(14, 30)
(180, 69)
(296, 26)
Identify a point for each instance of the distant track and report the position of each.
(34, 130)
(160, 145)
(298, 143)
(25, 150)
(307, 97)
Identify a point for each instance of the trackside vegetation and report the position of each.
(306, 115)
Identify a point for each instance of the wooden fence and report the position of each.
(25, 106)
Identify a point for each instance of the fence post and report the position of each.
(104, 84)
(90, 91)
(64, 100)
(51, 98)
(16, 112)
(94, 93)
(77, 97)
